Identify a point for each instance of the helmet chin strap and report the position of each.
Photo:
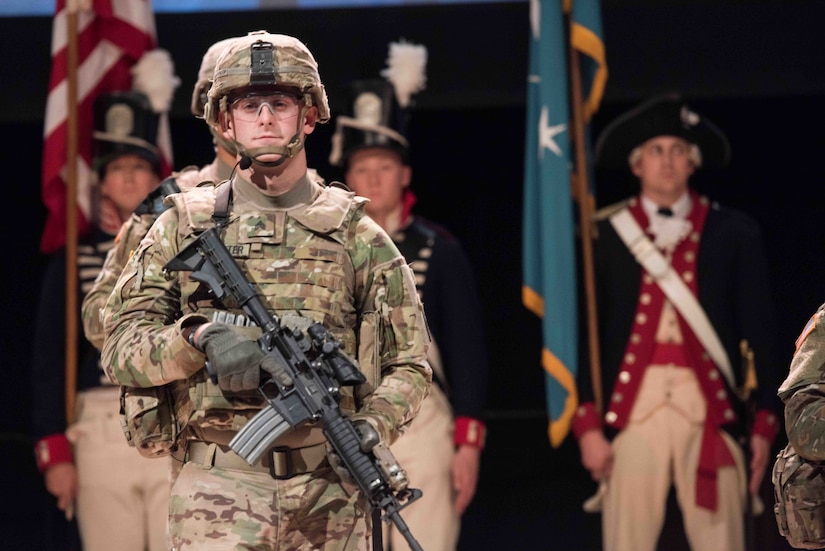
(285, 151)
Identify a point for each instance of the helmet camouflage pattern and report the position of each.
(278, 60)
(210, 58)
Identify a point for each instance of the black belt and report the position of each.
(279, 461)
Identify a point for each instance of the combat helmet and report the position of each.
(200, 93)
(264, 59)
(207, 69)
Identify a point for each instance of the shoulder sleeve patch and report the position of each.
(810, 326)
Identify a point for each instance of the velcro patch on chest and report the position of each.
(266, 227)
(239, 250)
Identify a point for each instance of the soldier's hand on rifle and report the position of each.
(368, 438)
(276, 370)
(233, 360)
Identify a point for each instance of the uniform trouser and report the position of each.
(217, 509)
(659, 447)
(122, 497)
(426, 452)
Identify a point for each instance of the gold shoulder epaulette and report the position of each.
(605, 212)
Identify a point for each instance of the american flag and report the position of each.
(112, 35)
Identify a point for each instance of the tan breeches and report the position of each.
(123, 497)
(658, 448)
(426, 452)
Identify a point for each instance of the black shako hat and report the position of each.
(378, 110)
(124, 122)
(667, 115)
(373, 119)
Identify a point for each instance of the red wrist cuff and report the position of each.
(469, 431)
(766, 424)
(585, 419)
(52, 449)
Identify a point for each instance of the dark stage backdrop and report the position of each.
(754, 68)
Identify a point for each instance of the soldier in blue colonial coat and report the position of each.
(441, 451)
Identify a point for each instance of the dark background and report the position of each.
(753, 67)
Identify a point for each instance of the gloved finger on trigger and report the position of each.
(276, 370)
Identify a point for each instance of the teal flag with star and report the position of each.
(549, 256)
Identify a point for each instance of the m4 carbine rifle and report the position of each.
(318, 368)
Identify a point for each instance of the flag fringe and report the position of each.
(587, 42)
(555, 368)
(532, 301)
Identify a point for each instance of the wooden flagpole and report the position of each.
(581, 192)
(71, 212)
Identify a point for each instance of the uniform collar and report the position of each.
(681, 208)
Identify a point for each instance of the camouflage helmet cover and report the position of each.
(210, 58)
(280, 60)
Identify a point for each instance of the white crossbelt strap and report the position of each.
(674, 288)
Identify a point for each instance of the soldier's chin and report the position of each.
(269, 159)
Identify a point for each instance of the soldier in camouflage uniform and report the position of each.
(803, 392)
(315, 257)
(136, 226)
(798, 479)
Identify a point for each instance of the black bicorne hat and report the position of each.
(124, 123)
(373, 118)
(667, 115)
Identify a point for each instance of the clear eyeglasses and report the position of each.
(282, 105)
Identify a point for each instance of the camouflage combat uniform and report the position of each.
(128, 239)
(315, 258)
(804, 391)
(799, 484)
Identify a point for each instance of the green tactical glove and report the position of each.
(234, 360)
(368, 438)
(276, 370)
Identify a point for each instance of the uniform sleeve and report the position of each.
(388, 289)
(808, 363)
(803, 391)
(143, 344)
(805, 421)
(455, 319)
(607, 249)
(126, 243)
(754, 322)
(48, 370)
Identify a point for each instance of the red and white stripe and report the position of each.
(112, 37)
